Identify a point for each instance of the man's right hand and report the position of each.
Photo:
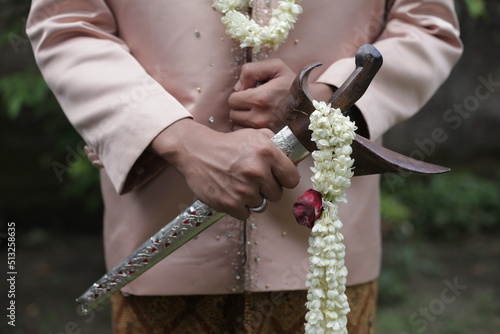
(230, 172)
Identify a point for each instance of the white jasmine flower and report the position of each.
(332, 172)
(333, 134)
(250, 34)
(225, 6)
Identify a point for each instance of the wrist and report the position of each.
(321, 91)
(168, 143)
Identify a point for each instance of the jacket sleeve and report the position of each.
(420, 45)
(117, 112)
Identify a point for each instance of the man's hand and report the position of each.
(229, 172)
(262, 90)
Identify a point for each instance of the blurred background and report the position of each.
(441, 269)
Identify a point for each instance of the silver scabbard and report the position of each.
(183, 228)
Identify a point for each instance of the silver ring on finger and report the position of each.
(261, 207)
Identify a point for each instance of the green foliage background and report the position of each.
(444, 207)
(47, 179)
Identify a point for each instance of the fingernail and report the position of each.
(238, 86)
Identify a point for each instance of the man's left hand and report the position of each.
(261, 92)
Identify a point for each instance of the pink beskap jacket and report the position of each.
(124, 70)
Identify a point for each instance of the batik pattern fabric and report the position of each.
(276, 312)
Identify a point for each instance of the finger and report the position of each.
(267, 133)
(282, 168)
(242, 100)
(256, 203)
(261, 207)
(255, 73)
(236, 208)
(285, 171)
(253, 201)
(236, 127)
(250, 119)
(240, 118)
(239, 213)
(266, 97)
(261, 98)
(271, 189)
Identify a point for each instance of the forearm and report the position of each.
(96, 79)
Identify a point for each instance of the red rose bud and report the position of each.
(308, 208)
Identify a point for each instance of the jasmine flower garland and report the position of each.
(249, 33)
(327, 303)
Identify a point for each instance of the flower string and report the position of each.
(249, 33)
(332, 172)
